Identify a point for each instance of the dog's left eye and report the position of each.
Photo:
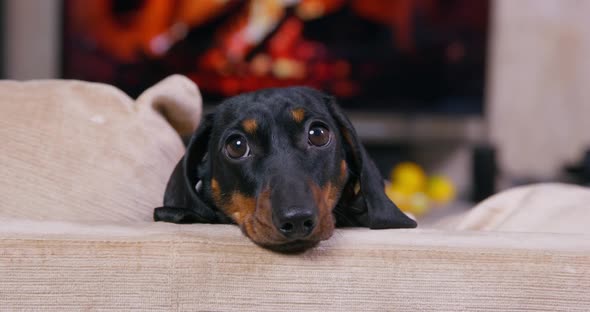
(318, 135)
(237, 147)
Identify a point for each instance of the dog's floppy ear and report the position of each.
(182, 201)
(372, 208)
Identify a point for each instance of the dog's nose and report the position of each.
(296, 223)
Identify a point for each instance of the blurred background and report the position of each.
(454, 99)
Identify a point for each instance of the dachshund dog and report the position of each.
(283, 164)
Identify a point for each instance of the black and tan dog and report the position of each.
(285, 165)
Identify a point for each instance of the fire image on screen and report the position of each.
(379, 55)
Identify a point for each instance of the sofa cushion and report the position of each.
(79, 151)
(545, 207)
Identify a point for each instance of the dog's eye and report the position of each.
(318, 135)
(237, 147)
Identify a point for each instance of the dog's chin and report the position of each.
(293, 247)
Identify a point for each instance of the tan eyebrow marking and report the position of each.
(298, 114)
(250, 125)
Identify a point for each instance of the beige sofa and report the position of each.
(82, 166)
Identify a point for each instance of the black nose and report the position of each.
(296, 223)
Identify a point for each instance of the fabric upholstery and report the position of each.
(177, 99)
(166, 267)
(82, 166)
(549, 208)
(75, 150)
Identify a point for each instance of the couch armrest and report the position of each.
(152, 266)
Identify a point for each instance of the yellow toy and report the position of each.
(440, 189)
(413, 192)
(408, 177)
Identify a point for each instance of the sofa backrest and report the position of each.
(79, 151)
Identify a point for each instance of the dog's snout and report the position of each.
(296, 223)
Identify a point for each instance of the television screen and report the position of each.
(374, 55)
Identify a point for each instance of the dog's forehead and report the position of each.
(274, 103)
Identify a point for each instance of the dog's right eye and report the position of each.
(236, 147)
(318, 135)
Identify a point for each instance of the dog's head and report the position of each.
(286, 166)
